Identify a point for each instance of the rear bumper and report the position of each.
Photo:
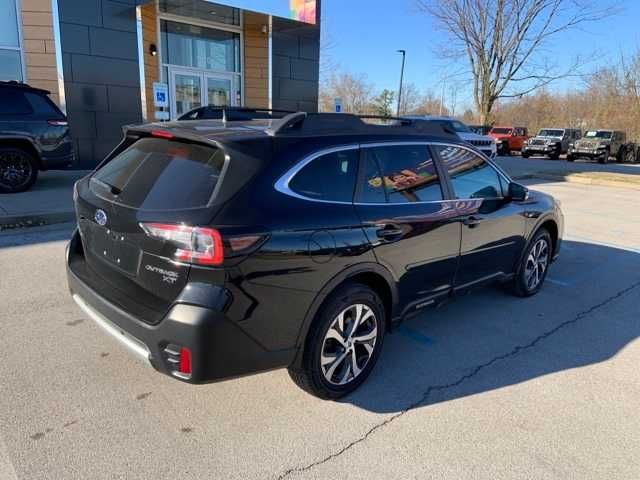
(220, 349)
(50, 162)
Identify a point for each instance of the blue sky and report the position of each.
(366, 34)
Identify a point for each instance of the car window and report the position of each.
(399, 174)
(41, 105)
(471, 176)
(13, 102)
(331, 177)
(155, 174)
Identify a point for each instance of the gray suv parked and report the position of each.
(34, 135)
(600, 145)
(551, 142)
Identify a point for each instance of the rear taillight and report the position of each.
(58, 123)
(198, 245)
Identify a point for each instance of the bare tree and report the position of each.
(504, 41)
(430, 105)
(411, 98)
(353, 90)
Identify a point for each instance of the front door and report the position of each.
(405, 213)
(493, 226)
(195, 88)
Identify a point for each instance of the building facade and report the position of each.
(101, 60)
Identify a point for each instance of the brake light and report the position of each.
(58, 123)
(161, 134)
(197, 245)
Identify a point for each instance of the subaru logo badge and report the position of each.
(100, 217)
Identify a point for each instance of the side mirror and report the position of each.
(518, 193)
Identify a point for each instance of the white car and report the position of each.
(484, 143)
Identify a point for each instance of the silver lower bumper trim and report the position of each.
(131, 343)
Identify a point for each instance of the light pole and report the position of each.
(404, 54)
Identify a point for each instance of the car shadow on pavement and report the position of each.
(489, 339)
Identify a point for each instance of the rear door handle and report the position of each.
(472, 221)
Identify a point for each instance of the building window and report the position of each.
(10, 52)
(200, 47)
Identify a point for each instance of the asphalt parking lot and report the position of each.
(488, 386)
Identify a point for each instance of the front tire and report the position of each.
(18, 170)
(604, 158)
(343, 343)
(534, 265)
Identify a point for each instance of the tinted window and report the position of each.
(155, 174)
(12, 102)
(42, 105)
(471, 176)
(331, 177)
(399, 174)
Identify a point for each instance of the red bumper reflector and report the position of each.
(185, 361)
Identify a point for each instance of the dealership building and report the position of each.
(108, 63)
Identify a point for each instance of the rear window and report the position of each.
(331, 177)
(42, 105)
(157, 174)
(13, 102)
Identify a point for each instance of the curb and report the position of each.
(580, 179)
(10, 222)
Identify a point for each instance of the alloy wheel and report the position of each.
(15, 169)
(349, 344)
(537, 263)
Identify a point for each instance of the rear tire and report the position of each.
(332, 335)
(525, 155)
(18, 170)
(534, 265)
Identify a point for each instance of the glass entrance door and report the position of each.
(191, 89)
(219, 91)
(186, 92)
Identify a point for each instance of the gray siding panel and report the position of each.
(105, 71)
(119, 16)
(123, 99)
(102, 79)
(81, 12)
(87, 97)
(113, 43)
(76, 37)
(296, 65)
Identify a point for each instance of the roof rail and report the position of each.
(305, 124)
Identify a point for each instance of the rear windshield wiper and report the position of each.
(112, 188)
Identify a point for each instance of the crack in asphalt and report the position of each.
(474, 371)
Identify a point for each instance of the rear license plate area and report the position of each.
(112, 247)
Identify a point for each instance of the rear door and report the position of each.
(493, 226)
(412, 226)
(152, 182)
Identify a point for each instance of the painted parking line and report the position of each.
(414, 335)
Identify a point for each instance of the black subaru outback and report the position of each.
(34, 136)
(218, 249)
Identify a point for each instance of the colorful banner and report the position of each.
(303, 10)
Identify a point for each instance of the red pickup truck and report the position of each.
(509, 139)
